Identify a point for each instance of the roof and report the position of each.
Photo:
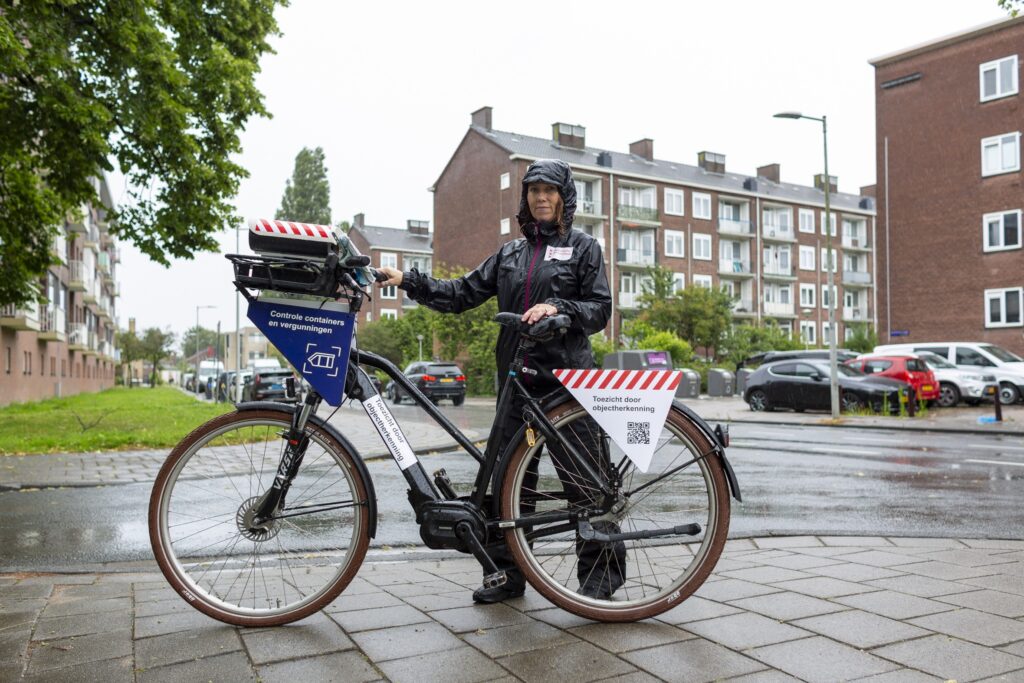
(684, 174)
(951, 39)
(398, 239)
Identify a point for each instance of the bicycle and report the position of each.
(263, 516)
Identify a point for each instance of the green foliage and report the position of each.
(307, 194)
(160, 88)
(382, 337)
(744, 341)
(864, 338)
(154, 346)
(200, 339)
(601, 346)
(1012, 7)
(131, 348)
(681, 352)
(705, 316)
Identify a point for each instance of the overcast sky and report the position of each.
(386, 88)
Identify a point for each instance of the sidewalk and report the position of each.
(776, 609)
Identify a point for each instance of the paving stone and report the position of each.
(950, 658)
(820, 659)
(624, 637)
(460, 665)
(106, 671)
(745, 630)
(635, 677)
(81, 624)
(303, 638)
(824, 587)
(856, 541)
(880, 558)
(800, 561)
(1014, 568)
(1012, 677)
(170, 623)
(993, 544)
(338, 667)
(60, 579)
(695, 608)
(788, 542)
(351, 603)
(68, 608)
(230, 667)
(14, 646)
(787, 606)
(899, 676)
(388, 577)
(529, 602)
(860, 629)
(382, 617)
(159, 607)
(993, 602)
(999, 582)
(977, 627)
(921, 586)
(910, 542)
(855, 572)
(894, 605)
(442, 601)
(578, 661)
(970, 557)
(559, 618)
(1014, 649)
(479, 616)
(427, 588)
(96, 591)
(405, 641)
(25, 591)
(829, 551)
(766, 574)
(946, 571)
(727, 564)
(732, 589)
(766, 676)
(692, 661)
(739, 544)
(80, 650)
(180, 647)
(509, 640)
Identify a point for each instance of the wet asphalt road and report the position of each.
(794, 480)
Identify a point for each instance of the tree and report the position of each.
(864, 338)
(705, 316)
(154, 347)
(307, 194)
(131, 349)
(744, 341)
(1012, 6)
(379, 337)
(200, 339)
(162, 88)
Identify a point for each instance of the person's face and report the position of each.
(544, 201)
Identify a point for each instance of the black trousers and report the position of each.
(599, 565)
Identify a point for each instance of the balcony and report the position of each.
(637, 213)
(777, 272)
(628, 300)
(855, 313)
(78, 337)
(729, 267)
(103, 263)
(634, 257)
(774, 308)
(91, 238)
(103, 307)
(80, 279)
(857, 277)
(858, 242)
(51, 324)
(92, 294)
(743, 308)
(92, 346)
(734, 227)
(106, 349)
(777, 233)
(588, 207)
(25, 317)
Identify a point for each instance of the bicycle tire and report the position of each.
(196, 524)
(658, 573)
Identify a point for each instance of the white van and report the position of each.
(988, 359)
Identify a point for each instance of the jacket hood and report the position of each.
(553, 172)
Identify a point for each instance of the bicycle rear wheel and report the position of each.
(221, 565)
(644, 576)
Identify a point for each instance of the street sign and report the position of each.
(899, 333)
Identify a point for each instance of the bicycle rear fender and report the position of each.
(357, 460)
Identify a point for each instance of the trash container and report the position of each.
(741, 379)
(720, 382)
(689, 387)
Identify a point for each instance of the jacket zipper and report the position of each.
(529, 274)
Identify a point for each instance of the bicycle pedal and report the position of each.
(496, 579)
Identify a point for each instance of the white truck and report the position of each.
(208, 369)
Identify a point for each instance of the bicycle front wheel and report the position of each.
(663, 532)
(200, 510)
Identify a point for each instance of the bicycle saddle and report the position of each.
(541, 331)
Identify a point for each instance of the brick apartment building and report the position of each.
(760, 238)
(950, 188)
(66, 344)
(411, 247)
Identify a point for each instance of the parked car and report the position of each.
(437, 380)
(188, 381)
(904, 367)
(267, 385)
(226, 384)
(1007, 366)
(804, 385)
(956, 384)
(808, 354)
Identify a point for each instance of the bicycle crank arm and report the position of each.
(589, 533)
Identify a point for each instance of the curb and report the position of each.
(901, 428)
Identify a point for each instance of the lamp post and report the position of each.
(833, 371)
(419, 338)
(195, 380)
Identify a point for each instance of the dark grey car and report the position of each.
(804, 385)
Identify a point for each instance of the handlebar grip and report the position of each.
(379, 275)
(357, 261)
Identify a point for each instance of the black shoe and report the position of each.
(506, 591)
(596, 591)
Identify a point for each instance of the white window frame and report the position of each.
(1001, 217)
(834, 220)
(811, 327)
(675, 194)
(808, 297)
(705, 281)
(504, 181)
(389, 259)
(997, 64)
(701, 205)
(1002, 295)
(999, 141)
(678, 282)
(807, 263)
(505, 227)
(678, 238)
(805, 217)
(699, 253)
(388, 314)
(824, 297)
(824, 260)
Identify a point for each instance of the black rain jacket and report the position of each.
(564, 269)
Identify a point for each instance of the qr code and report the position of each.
(638, 432)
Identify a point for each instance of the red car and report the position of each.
(909, 369)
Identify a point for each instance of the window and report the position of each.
(807, 220)
(675, 243)
(702, 281)
(505, 181)
(389, 259)
(702, 206)
(678, 282)
(641, 197)
(872, 367)
(831, 223)
(1000, 154)
(369, 317)
(787, 369)
(807, 296)
(965, 356)
(388, 314)
(826, 333)
(674, 202)
(417, 262)
(777, 221)
(1001, 230)
(1003, 307)
(825, 297)
(807, 258)
(701, 246)
(998, 78)
(825, 265)
(588, 196)
(809, 332)
(506, 226)
(53, 366)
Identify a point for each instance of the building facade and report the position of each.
(762, 240)
(66, 344)
(252, 343)
(405, 249)
(950, 188)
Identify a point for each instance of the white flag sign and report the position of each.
(631, 405)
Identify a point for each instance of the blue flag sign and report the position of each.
(316, 341)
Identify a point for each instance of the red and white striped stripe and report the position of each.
(292, 229)
(629, 380)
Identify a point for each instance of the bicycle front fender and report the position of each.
(357, 460)
(713, 437)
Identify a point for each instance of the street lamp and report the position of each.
(833, 370)
(419, 338)
(195, 379)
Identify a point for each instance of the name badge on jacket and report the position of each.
(558, 254)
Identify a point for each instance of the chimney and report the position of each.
(357, 220)
(711, 162)
(568, 135)
(604, 159)
(481, 118)
(770, 172)
(868, 191)
(418, 227)
(833, 183)
(643, 148)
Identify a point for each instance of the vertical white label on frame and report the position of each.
(390, 431)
